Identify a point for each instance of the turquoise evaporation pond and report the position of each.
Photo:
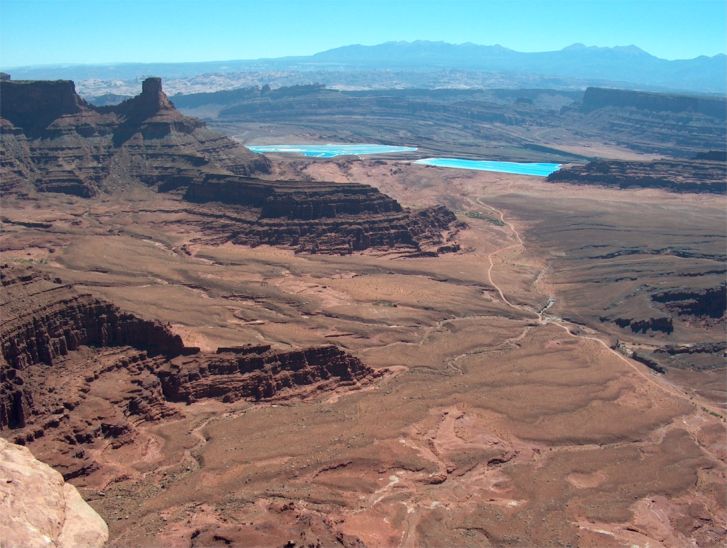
(538, 170)
(330, 151)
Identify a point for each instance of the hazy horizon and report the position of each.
(162, 61)
(85, 32)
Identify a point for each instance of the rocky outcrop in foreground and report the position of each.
(698, 176)
(39, 509)
(76, 370)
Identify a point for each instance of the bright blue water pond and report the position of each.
(330, 151)
(539, 170)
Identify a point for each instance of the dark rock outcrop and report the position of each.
(649, 362)
(33, 106)
(293, 199)
(709, 303)
(672, 175)
(712, 156)
(663, 324)
(704, 356)
(699, 348)
(595, 98)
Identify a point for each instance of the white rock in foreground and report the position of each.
(39, 509)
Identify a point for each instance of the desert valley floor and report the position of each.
(505, 406)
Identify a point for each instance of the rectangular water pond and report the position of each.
(535, 169)
(330, 150)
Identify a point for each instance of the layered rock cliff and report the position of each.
(665, 124)
(700, 176)
(43, 321)
(53, 141)
(39, 509)
(318, 217)
(595, 98)
(706, 304)
(256, 372)
(76, 370)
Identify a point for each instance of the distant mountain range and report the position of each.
(618, 64)
(577, 64)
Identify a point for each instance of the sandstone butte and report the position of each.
(55, 142)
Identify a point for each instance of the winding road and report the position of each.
(545, 319)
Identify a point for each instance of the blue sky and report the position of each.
(99, 31)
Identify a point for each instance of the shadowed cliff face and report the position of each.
(33, 106)
(44, 321)
(705, 303)
(294, 200)
(701, 176)
(595, 98)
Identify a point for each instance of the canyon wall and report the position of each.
(53, 141)
(699, 176)
(595, 98)
(76, 370)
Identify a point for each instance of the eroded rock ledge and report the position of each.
(700, 176)
(76, 370)
(51, 140)
(317, 217)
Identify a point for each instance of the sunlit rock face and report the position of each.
(39, 509)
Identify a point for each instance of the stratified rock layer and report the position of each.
(318, 216)
(75, 369)
(53, 141)
(595, 98)
(39, 509)
(256, 372)
(673, 175)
